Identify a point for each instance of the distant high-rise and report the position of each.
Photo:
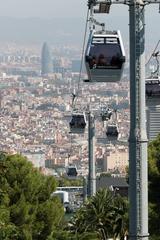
(46, 62)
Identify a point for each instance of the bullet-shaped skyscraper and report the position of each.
(46, 61)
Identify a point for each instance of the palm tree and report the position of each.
(103, 213)
(120, 219)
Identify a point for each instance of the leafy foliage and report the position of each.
(66, 235)
(154, 193)
(63, 182)
(105, 214)
(27, 210)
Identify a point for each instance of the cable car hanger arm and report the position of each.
(95, 22)
(92, 3)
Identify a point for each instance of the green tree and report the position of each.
(65, 182)
(67, 235)
(120, 218)
(105, 214)
(154, 193)
(27, 210)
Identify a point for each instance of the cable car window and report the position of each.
(152, 89)
(112, 131)
(105, 56)
(72, 171)
(104, 40)
(78, 121)
(112, 40)
(98, 40)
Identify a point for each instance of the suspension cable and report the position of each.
(70, 150)
(156, 55)
(153, 52)
(82, 57)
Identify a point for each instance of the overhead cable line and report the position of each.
(81, 64)
(153, 52)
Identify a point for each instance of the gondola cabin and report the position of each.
(77, 123)
(72, 171)
(112, 132)
(106, 114)
(64, 197)
(104, 57)
(152, 87)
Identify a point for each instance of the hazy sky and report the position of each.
(49, 8)
(42, 8)
(54, 8)
(117, 19)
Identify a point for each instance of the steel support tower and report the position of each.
(91, 150)
(138, 169)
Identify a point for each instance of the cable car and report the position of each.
(153, 87)
(112, 132)
(106, 114)
(77, 123)
(104, 56)
(72, 171)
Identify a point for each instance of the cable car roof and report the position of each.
(153, 81)
(106, 33)
(112, 126)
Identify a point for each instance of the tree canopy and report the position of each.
(104, 214)
(154, 193)
(27, 210)
(64, 181)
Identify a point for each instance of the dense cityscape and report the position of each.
(79, 125)
(35, 111)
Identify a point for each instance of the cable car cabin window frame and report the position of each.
(153, 88)
(99, 40)
(102, 61)
(104, 72)
(111, 132)
(105, 40)
(77, 118)
(72, 171)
